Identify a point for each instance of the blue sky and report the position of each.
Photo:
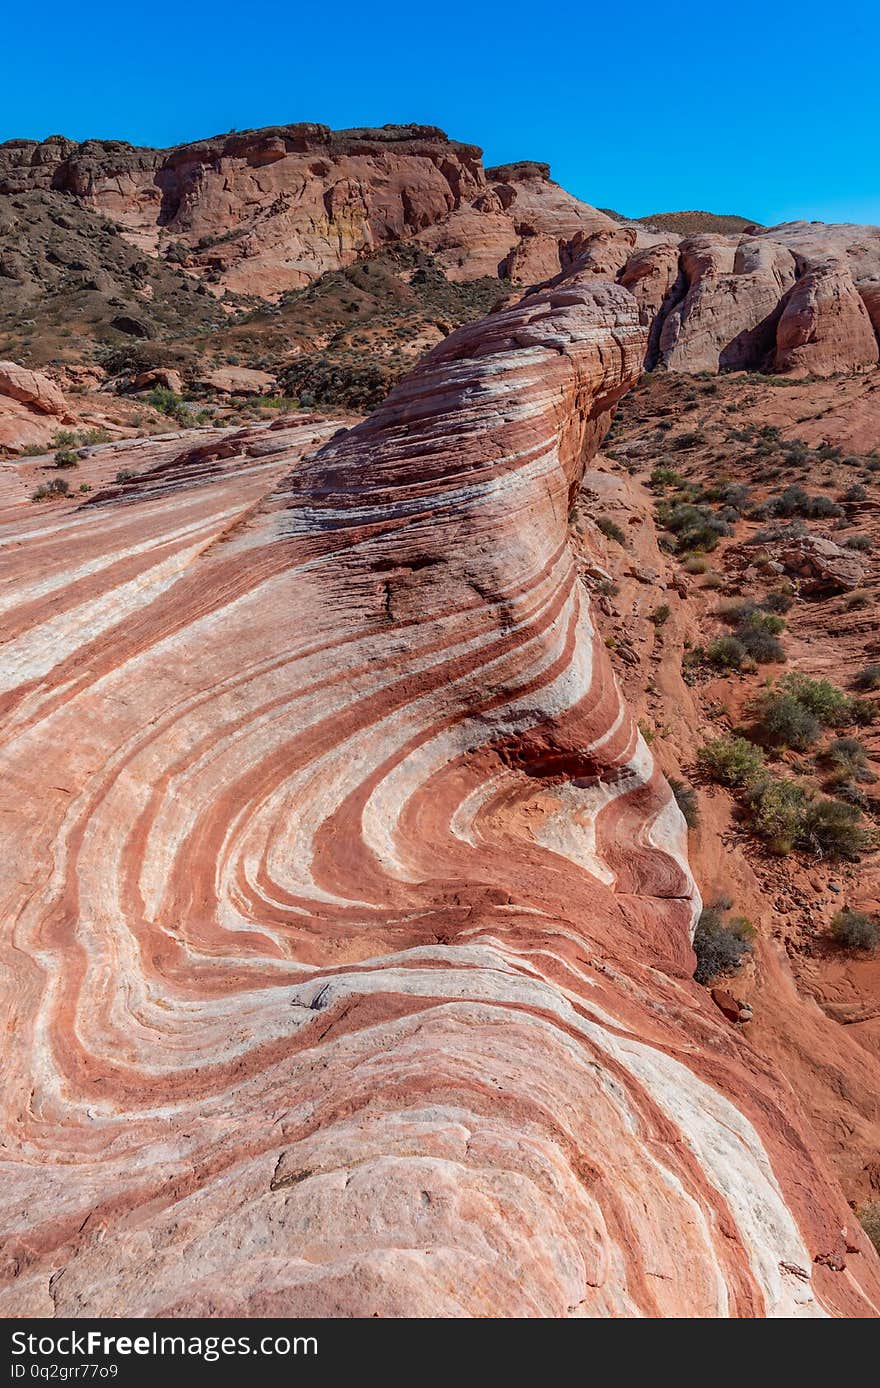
(769, 110)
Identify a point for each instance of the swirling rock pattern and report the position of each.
(346, 946)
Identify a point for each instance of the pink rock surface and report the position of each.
(346, 956)
(31, 388)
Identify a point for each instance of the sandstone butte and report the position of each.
(347, 967)
(264, 211)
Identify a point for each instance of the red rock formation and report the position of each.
(269, 210)
(347, 951)
(798, 298)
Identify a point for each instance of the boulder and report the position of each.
(31, 388)
(238, 380)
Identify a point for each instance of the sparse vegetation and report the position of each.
(611, 530)
(869, 1218)
(721, 943)
(726, 653)
(733, 761)
(55, 490)
(867, 679)
(794, 713)
(854, 930)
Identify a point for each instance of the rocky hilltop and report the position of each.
(349, 961)
(335, 259)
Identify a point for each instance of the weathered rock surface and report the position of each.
(31, 388)
(346, 957)
(800, 298)
(31, 407)
(239, 380)
(262, 211)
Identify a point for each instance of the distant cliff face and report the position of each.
(270, 210)
(351, 967)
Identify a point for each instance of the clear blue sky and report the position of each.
(766, 109)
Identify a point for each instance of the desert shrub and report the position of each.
(794, 713)
(784, 721)
(664, 476)
(168, 402)
(660, 616)
(686, 799)
(849, 759)
(52, 491)
(869, 1218)
(733, 761)
(778, 811)
(689, 440)
(834, 829)
(855, 930)
(66, 457)
(868, 678)
(778, 600)
(696, 564)
(720, 943)
(64, 438)
(830, 705)
(757, 632)
(863, 544)
(726, 653)
(611, 530)
(760, 643)
(865, 712)
(125, 475)
(854, 493)
(788, 814)
(694, 527)
(774, 533)
(89, 437)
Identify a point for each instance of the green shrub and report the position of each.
(788, 814)
(733, 761)
(855, 930)
(686, 799)
(660, 616)
(861, 543)
(758, 631)
(778, 812)
(784, 722)
(611, 530)
(720, 943)
(696, 564)
(66, 457)
(52, 491)
(694, 527)
(664, 476)
(868, 678)
(829, 704)
(834, 829)
(794, 713)
(849, 759)
(778, 600)
(726, 653)
(125, 475)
